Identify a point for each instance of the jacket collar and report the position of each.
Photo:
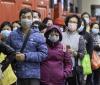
(33, 30)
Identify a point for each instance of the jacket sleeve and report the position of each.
(67, 65)
(6, 49)
(82, 46)
(89, 45)
(41, 53)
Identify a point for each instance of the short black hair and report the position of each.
(24, 11)
(84, 14)
(42, 26)
(92, 24)
(4, 24)
(46, 20)
(71, 16)
(36, 12)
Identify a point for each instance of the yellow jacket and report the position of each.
(8, 75)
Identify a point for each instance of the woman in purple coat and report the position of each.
(58, 65)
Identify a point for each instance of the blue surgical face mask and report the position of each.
(95, 31)
(5, 33)
(81, 28)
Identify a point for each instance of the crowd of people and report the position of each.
(48, 52)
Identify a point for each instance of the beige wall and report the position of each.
(86, 5)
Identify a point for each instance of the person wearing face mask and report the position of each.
(16, 24)
(76, 45)
(89, 45)
(57, 67)
(9, 77)
(27, 65)
(36, 16)
(5, 30)
(86, 17)
(95, 29)
(48, 21)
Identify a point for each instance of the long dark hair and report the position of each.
(84, 30)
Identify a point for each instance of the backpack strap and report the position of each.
(25, 41)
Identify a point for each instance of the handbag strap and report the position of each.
(25, 41)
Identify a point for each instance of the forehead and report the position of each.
(15, 24)
(35, 14)
(73, 19)
(54, 32)
(6, 27)
(95, 25)
(27, 14)
(86, 15)
(50, 21)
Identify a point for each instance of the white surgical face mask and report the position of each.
(61, 29)
(15, 28)
(5, 33)
(72, 27)
(53, 38)
(87, 20)
(81, 28)
(95, 31)
(26, 22)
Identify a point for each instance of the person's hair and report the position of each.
(42, 26)
(73, 16)
(53, 30)
(85, 14)
(24, 11)
(4, 24)
(83, 20)
(16, 22)
(46, 20)
(92, 24)
(37, 12)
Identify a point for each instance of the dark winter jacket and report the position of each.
(10, 52)
(89, 42)
(58, 66)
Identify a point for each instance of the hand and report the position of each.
(75, 53)
(70, 51)
(20, 56)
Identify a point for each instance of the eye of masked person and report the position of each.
(73, 21)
